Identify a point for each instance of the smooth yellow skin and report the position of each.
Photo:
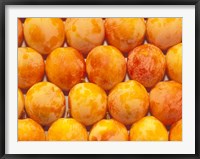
(30, 67)
(108, 130)
(65, 67)
(29, 130)
(148, 129)
(44, 34)
(128, 102)
(20, 103)
(67, 129)
(175, 133)
(174, 63)
(87, 103)
(164, 32)
(84, 34)
(106, 66)
(45, 103)
(125, 33)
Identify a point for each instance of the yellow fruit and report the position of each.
(29, 130)
(45, 103)
(128, 102)
(174, 63)
(87, 103)
(148, 129)
(67, 130)
(108, 130)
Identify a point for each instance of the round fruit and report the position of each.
(65, 67)
(45, 103)
(105, 66)
(125, 33)
(84, 34)
(29, 130)
(65, 129)
(174, 63)
(30, 67)
(128, 102)
(164, 32)
(44, 34)
(20, 32)
(146, 64)
(175, 133)
(108, 130)
(166, 102)
(20, 103)
(87, 103)
(148, 129)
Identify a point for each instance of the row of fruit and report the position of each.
(108, 93)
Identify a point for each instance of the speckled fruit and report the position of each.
(65, 67)
(67, 129)
(20, 103)
(148, 129)
(44, 34)
(164, 32)
(20, 32)
(84, 34)
(108, 130)
(146, 64)
(30, 67)
(45, 103)
(105, 66)
(87, 103)
(29, 130)
(174, 63)
(175, 133)
(128, 102)
(125, 33)
(166, 102)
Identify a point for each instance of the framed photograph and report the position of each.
(113, 79)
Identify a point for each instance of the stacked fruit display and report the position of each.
(99, 79)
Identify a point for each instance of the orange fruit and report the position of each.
(65, 67)
(67, 129)
(108, 130)
(125, 33)
(128, 102)
(30, 67)
(148, 129)
(105, 66)
(29, 130)
(44, 34)
(45, 103)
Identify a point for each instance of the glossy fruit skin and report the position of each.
(108, 130)
(146, 64)
(128, 102)
(65, 67)
(87, 103)
(44, 34)
(125, 33)
(20, 32)
(67, 129)
(164, 32)
(84, 34)
(45, 103)
(105, 66)
(174, 63)
(175, 132)
(148, 129)
(29, 130)
(166, 102)
(20, 103)
(30, 67)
